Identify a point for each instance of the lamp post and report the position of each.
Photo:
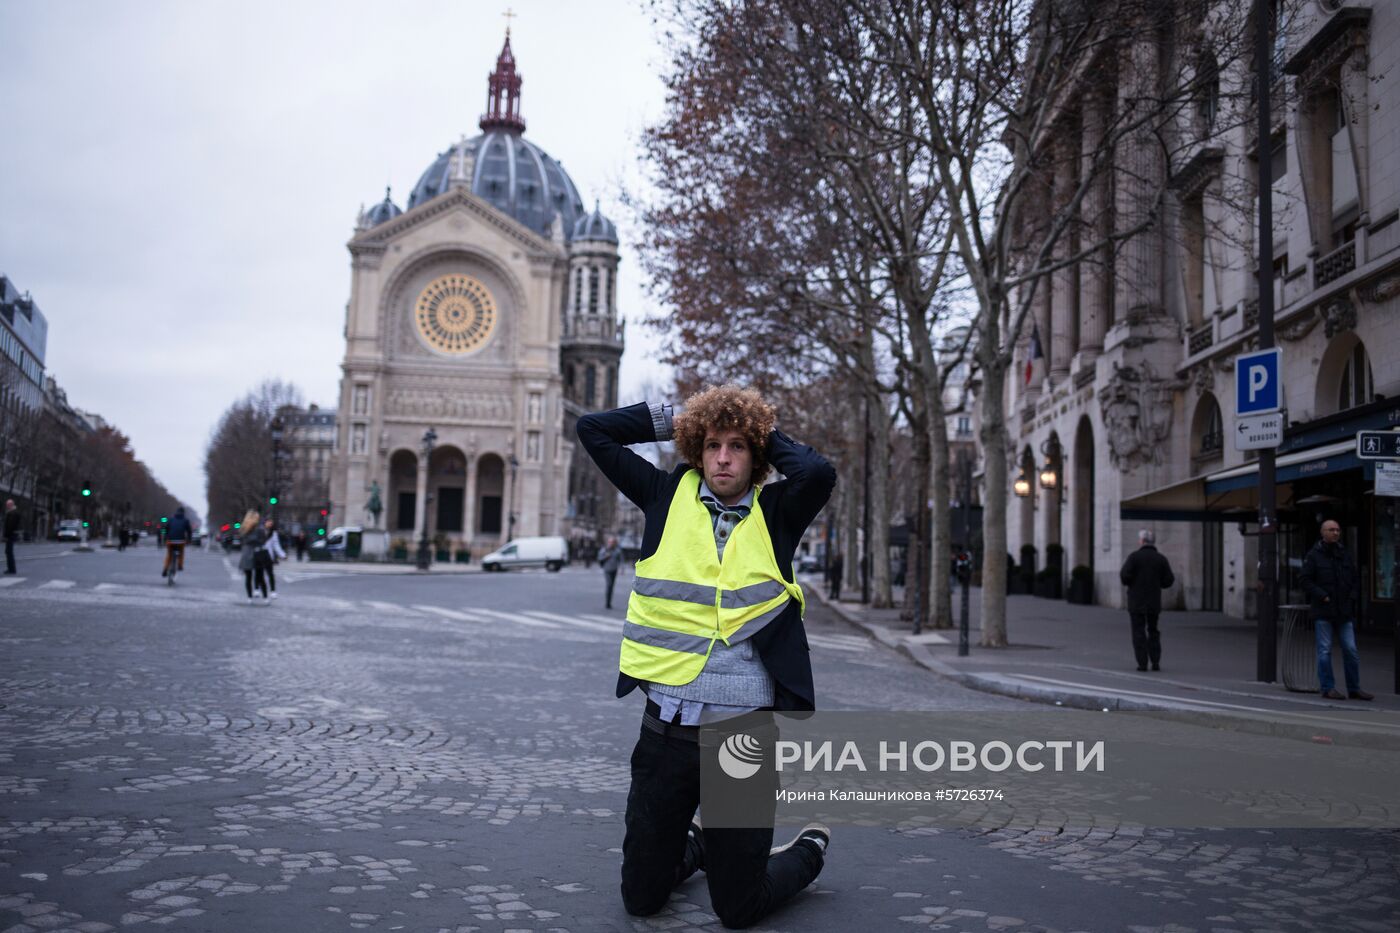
(514, 468)
(277, 428)
(424, 555)
(965, 557)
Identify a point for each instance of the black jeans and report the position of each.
(10, 555)
(610, 578)
(1147, 641)
(746, 884)
(252, 576)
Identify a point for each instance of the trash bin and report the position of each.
(352, 545)
(1299, 649)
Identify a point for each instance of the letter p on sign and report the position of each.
(1257, 385)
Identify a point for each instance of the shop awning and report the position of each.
(1304, 463)
(1189, 500)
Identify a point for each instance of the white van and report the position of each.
(550, 553)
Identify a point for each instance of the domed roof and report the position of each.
(384, 210)
(513, 174)
(595, 226)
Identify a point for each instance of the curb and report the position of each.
(1185, 711)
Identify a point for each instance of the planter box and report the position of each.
(1081, 592)
(442, 557)
(1047, 589)
(400, 553)
(464, 557)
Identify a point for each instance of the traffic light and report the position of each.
(271, 500)
(87, 487)
(325, 512)
(320, 531)
(85, 524)
(224, 527)
(163, 519)
(237, 525)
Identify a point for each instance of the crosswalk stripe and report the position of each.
(612, 629)
(450, 614)
(610, 621)
(11, 581)
(856, 640)
(58, 585)
(516, 618)
(106, 587)
(389, 607)
(821, 642)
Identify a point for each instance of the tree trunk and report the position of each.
(941, 531)
(881, 591)
(993, 435)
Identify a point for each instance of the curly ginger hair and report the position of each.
(725, 408)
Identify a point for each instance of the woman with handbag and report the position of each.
(248, 561)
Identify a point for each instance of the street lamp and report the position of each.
(424, 555)
(514, 468)
(1022, 485)
(1050, 473)
(277, 428)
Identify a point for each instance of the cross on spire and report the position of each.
(509, 14)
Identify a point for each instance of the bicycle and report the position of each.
(173, 553)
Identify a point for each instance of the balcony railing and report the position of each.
(1200, 338)
(595, 326)
(1335, 264)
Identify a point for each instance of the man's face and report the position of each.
(728, 465)
(1331, 532)
(9, 505)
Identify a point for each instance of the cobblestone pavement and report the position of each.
(446, 754)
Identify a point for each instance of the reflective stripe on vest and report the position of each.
(684, 598)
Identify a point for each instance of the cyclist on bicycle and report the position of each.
(178, 533)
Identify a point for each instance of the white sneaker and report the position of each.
(274, 594)
(250, 600)
(818, 834)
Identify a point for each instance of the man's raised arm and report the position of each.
(606, 434)
(810, 477)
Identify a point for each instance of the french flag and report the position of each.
(1034, 354)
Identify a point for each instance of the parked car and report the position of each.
(809, 563)
(70, 529)
(551, 553)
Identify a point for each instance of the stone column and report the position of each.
(1095, 272)
(469, 505)
(1063, 288)
(1138, 180)
(420, 510)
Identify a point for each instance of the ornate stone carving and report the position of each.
(1137, 413)
(429, 403)
(1338, 315)
(1381, 290)
(1299, 328)
(1203, 378)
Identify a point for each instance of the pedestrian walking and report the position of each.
(834, 572)
(272, 553)
(11, 535)
(300, 542)
(609, 559)
(1330, 579)
(248, 560)
(710, 525)
(1146, 573)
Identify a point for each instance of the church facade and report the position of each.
(482, 317)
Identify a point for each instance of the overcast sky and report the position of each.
(179, 179)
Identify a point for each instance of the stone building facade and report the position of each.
(484, 311)
(1129, 400)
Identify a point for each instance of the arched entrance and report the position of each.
(1082, 494)
(490, 495)
(403, 491)
(447, 487)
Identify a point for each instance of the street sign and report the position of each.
(1257, 386)
(1258, 432)
(1388, 479)
(1378, 445)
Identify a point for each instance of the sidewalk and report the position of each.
(1082, 656)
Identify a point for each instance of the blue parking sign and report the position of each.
(1257, 386)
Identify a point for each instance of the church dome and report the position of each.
(384, 210)
(511, 173)
(502, 167)
(595, 226)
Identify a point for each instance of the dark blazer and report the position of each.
(1146, 573)
(12, 525)
(789, 506)
(1330, 579)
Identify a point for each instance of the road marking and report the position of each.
(389, 607)
(824, 641)
(450, 614)
(611, 629)
(107, 587)
(58, 585)
(610, 621)
(516, 618)
(11, 581)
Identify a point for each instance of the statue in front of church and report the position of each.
(375, 505)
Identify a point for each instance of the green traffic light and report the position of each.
(87, 492)
(320, 531)
(237, 524)
(85, 524)
(163, 519)
(272, 500)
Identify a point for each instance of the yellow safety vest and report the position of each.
(684, 598)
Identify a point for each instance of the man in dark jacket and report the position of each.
(609, 559)
(1146, 573)
(834, 574)
(178, 533)
(725, 435)
(1329, 578)
(11, 534)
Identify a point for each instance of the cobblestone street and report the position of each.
(445, 753)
